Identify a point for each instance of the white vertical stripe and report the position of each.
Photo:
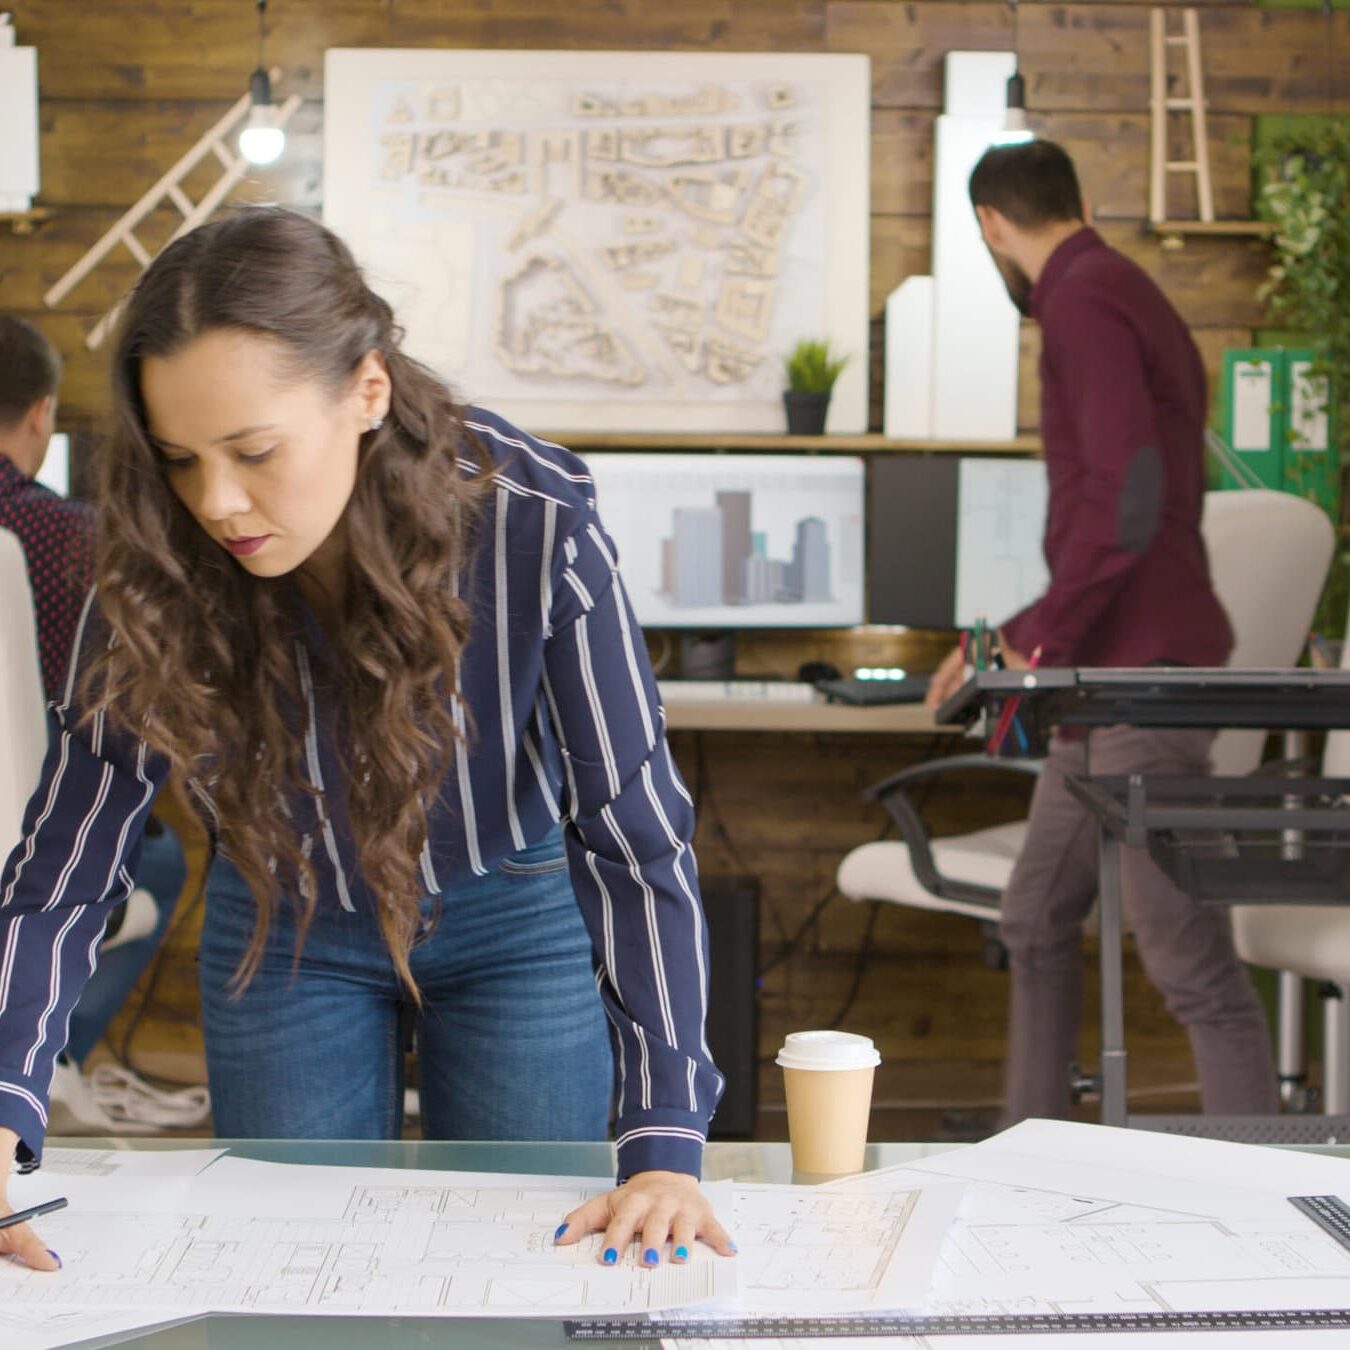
(465, 785)
(30, 844)
(644, 1068)
(81, 839)
(602, 977)
(7, 965)
(606, 923)
(653, 929)
(546, 569)
(639, 692)
(53, 991)
(675, 780)
(316, 776)
(562, 745)
(537, 764)
(147, 795)
(508, 715)
(597, 710)
(429, 872)
(69, 695)
(682, 851)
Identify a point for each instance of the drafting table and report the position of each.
(1212, 836)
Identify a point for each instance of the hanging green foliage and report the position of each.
(1304, 191)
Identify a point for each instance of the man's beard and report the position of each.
(1018, 284)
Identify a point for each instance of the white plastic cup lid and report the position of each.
(828, 1050)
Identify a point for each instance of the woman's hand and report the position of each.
(661, 1206)
(21, 1240)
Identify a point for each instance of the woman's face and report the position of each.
(266, 467)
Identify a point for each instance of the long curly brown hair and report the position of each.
(202, 660)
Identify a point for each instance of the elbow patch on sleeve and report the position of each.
(1139, 510)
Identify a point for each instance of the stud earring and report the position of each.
(376, 423)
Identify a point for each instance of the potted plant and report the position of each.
(1306, 196)
(811, 372)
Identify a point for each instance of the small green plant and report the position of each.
(811, 369)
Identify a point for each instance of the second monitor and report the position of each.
(952, 539)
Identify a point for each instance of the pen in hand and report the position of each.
(36, 1212)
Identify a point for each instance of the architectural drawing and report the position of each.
(634, 251)
(417, 1248)
(1023, 1242)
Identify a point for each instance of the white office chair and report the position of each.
(1269, 553)
(1308, 942)
(23, 730)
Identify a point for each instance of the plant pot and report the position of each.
(806, 413)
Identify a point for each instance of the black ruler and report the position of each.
(1329, 1212)
(956, 1324)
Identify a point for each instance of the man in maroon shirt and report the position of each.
(1123, 406)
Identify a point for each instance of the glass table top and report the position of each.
(767, 1162)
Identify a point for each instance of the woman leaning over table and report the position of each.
(385, 638)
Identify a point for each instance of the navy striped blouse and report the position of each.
(566, 726)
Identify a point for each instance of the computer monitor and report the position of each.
(953, 539)
(712, 542)
(55, 471)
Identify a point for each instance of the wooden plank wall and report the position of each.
(128, 84)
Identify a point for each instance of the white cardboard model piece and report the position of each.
(958, 329)
(18, 122)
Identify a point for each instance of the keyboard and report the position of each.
(875, 693)
(731, 691)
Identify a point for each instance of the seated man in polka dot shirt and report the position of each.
(57, 538)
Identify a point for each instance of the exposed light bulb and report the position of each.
(1015, 129)
(262, 140)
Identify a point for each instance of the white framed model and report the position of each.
(611, 241)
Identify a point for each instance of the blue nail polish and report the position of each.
(732, 1245)
(611, 1256)
(682, 1253)
(651, 1257)
(56, 1258)
(562, 1228)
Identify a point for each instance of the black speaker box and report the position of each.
(731, 904)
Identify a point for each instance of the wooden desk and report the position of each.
(754, 714)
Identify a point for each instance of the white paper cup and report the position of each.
(828, 1077)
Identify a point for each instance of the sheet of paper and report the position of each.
(31, 1329)
(806, 1250)
(109, 1162)
(1161, 1171)
(1053, 1220)
(264, 1238)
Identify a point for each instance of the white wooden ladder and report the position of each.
(1164, 105)
(169, 188)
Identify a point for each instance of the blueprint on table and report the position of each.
(267, 1238)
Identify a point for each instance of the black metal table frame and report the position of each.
(1172, 697)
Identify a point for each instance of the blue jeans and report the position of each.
(513, 1041)
(161, 871)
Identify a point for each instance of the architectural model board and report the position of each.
(610, 241)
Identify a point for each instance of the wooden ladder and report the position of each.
(1163, 105)
(169, 188)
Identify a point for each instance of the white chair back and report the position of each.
(1268, 553)
(23, 723)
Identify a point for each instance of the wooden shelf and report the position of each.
(734, 440)
(1177, 230)
(25, 222)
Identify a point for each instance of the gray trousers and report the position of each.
(1186, 949)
